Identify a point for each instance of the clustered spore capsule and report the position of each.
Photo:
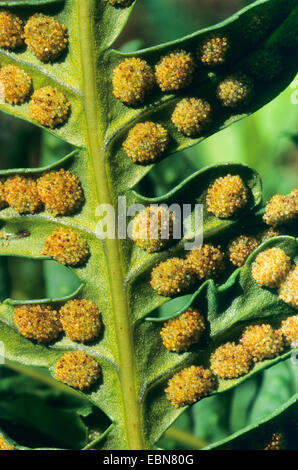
(192, 116)
(240, 248)
(77, 369)
(146, 142)
(269, 233)
(207, 262)
(153, 228)
(179, 333)
(4, 445)
(22, 195)
(80, 320)
(227, 196)
(262, 341)
(16, 84)
(132, 80)
(235, 91)
(289, 330)
(60, 191)
(121, 3)
(49, 107)
(277, 442)
(45, 36)
(11, 30)
(281, 209)
(271, 267)
(38, 322)
(288, 290)
(175, 71)
(190, 385)
(214, 50)
(3, 202)
(172, 277)
(230, 361)
(67, 247)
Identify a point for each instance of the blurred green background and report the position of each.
(267, 141)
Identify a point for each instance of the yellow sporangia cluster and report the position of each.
(177, 275)
(21, 194)
(281, 209)
(289, 330)
(175, 71)
(45, 37)
(132, 80)
(268, 233)
(262, 341)
(240, 248)
(146, 142)
(152, 228)
(277, 442)
(67, 247)
(235, 91)
(16, 84)
(81, 320)
(4, 445)
(172, 277)
(271, 267)
(192, 116)
(190, 385)
(288, 289)
(77, 369)
(59, 191)
(207, 262)
(226, 196)
(214, 50)
(179, 333)
(38, 322)
(49, 107)
(230, 361)
(11, 30)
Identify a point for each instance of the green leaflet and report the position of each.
(135, 366)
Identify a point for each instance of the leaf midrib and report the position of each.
(119, 301)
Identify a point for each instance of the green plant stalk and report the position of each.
(119, 301)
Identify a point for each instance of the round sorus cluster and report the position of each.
(288, 290)
(280, 210)
(66, 247)
(60, 191)
(277, 442)
(80, 320)
(240, 248)
(16, 84)
(22, 195)
(179, 333)
(235, 91)
(271, 267)
(207, 262)
(175, 71)
(39, 322)
(189, 386)
(262, 341)
(4, 445)
(172, 277)
(77, 369)
(213, 51)
(45, 36)
(3, 202)
(152, 229)
(49, 107)
(226, 196)
(289, 329)
(191, 116)
(230, 361)
(269, 233)
(11, 30)
(121, 3)
(132, 80)
(146, 142)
